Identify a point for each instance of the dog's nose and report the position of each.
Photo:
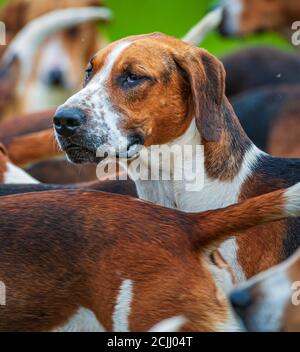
(240, 301)
(68, 120)
(55, 77)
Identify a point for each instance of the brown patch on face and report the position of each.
(158, 107)
(268, 15)
(3, 162)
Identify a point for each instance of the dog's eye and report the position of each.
(131, 80)
(88, 73)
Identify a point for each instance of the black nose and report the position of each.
(55, 77)
(68, 120)
(240, 301)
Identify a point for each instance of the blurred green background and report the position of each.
(174, 17)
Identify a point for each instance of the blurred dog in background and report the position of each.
(55, 71)
(243, 17)
(270, 301)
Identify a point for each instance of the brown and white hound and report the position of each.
(243, 17)
(270, 301)
(88, 266)
(156, 90)
(54, 72)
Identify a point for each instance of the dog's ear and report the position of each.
(206, 78)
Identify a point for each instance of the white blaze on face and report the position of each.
(95, 100)
(233, 12)
(54, 57)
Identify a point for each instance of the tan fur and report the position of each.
(51, 276)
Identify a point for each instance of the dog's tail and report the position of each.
(214, 227)
(28, 40)
(198, 33)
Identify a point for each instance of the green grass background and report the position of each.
(174, 17)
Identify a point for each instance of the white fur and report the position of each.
(292, 196)
(83, 321)
(234, 9)
(123, 307)
(16, 175)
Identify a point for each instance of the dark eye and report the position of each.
(88, 73)
(131, 80)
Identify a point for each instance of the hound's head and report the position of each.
(63, 55)
(243, 17)
(142, 90)
(271, 301)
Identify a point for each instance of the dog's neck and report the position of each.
(225, 166)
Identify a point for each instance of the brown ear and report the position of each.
(206, 77)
